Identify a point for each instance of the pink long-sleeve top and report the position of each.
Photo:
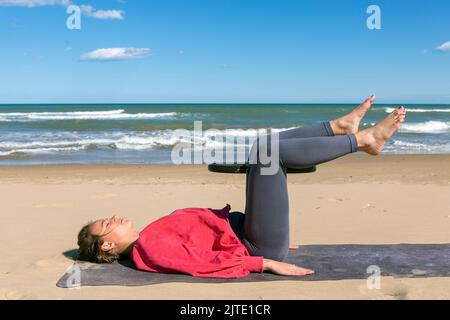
(195, 241)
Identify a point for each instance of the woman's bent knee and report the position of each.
(278, 254)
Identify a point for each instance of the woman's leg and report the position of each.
(265, 230)
(348, 124)
(322, 129)
(316, 130)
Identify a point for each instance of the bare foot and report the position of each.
(349, 124)
(372, 140)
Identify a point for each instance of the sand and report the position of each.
(354, 200)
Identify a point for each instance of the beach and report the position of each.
(119, 108)
(357, 199)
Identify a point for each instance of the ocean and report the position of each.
(144, 133)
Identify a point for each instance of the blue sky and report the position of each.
(224, 51)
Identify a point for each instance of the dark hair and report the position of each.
(90, 247)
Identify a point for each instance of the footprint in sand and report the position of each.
(17, 295)
(52, 262)
(368, 206)
(390, 289)
(371, 208)
(398, 292)
(333, 199)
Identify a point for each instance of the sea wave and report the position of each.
(12, 155)
(119, 114)
(406, 144)
(22, 144)
(421, 110)
(399, 146)
(22, 153)
(426, 127)
(128, 141)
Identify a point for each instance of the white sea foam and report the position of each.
(21, 143)
(405, 144)
(390, 110)
(130, 141)
(83, 115)
(415, 147)
(49, 150)
(53, 143)
(425, 127)
(6, 153)
(38, 151)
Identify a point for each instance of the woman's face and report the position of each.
(116, 232)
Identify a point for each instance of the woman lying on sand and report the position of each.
(206, 243)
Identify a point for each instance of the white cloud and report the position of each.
(88, 10)
(32, 3)
(115, 54)
(445, 47)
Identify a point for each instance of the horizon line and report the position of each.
(219, 103)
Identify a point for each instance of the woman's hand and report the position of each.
(284, 269)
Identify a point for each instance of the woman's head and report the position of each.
(103, 241)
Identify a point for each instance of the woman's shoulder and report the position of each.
(199, 211)
(187, 214)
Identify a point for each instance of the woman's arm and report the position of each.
(284, 269)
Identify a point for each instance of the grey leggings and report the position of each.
(264, 229)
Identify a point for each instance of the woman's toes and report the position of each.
(349, 124)
(368, 102)
(371, 99)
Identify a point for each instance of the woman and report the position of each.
(207, 243)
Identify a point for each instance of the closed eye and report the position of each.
(105, 223)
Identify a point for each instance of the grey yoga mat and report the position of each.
(330, 262)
